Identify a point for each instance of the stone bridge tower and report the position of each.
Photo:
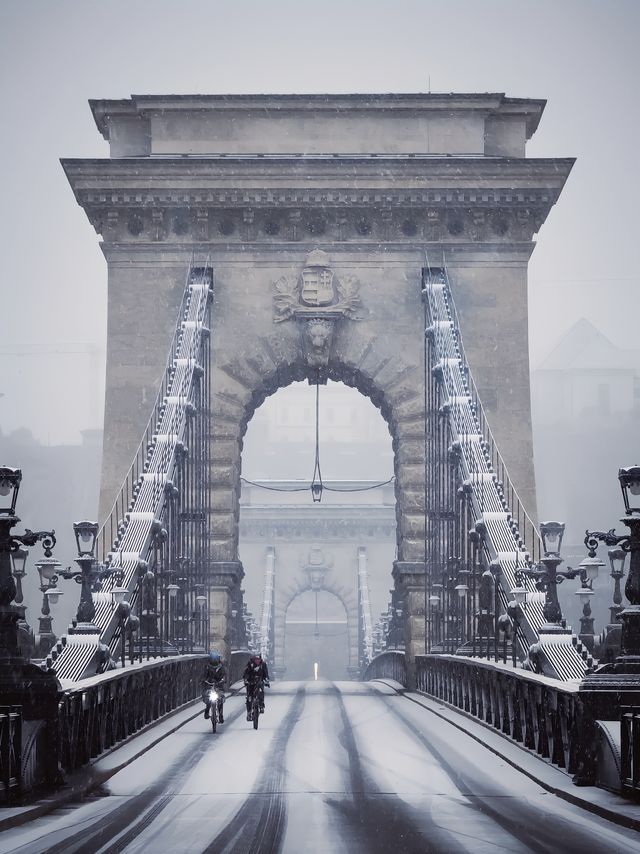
(317, 213)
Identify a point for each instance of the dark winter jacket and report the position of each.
(214, 674)
(253, 673)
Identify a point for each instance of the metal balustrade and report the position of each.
(535, 711)
(468, 489)
(156, 527)
(538, 712)
(103, 711)
(10, 752)
(391, 664)
(630, 750)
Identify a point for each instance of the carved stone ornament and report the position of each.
(317, 298)
(316, 291)
(316, 567)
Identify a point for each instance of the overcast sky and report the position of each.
(581, 55)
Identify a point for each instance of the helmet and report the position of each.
(214, 657)
(256, 659)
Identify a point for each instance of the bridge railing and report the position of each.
(103, 711)
(156, 531)
(538, 712)
(475, 520)
(10, 752)
(387, 665)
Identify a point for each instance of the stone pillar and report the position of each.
(269, 585)
(409, 579)
(224, 581)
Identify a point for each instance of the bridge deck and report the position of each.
(353, 767)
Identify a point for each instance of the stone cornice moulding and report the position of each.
(191, 170)
(359, 226)
(492, 103)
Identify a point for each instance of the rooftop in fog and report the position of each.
(584, 348)
(487, 124)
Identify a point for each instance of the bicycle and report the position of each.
(255, 710)
(216, 701)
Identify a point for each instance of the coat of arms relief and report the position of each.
(317, 299)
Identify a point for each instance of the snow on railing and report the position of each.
(509, 535)
(126, 537)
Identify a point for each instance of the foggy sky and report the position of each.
(581, 55)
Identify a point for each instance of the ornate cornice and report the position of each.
(225, 199)
(455, 221)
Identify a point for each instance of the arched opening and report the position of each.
(316, 639)
(316, 549)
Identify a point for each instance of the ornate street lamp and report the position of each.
(123, 613)
(11, 545)
(547, 577)
(48, 569)
(617, 558)
(87, 575)
(629, 659)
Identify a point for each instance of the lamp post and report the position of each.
(48, 569)
(87, 575)
(514, 609)
(547, 577)
(462, 589)
(629, 659)
(26, 640)
(10, 613)
(123, 612)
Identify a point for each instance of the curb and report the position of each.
(598, 809)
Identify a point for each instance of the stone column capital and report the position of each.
(225, 573)
(408, 574)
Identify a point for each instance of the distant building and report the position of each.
(586, 374)
(585, 408)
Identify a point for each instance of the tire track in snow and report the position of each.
(259, 825)
(140, 810)
(382, 819)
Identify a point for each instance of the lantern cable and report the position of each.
(318, 484)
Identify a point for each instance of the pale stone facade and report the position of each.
(383, 185)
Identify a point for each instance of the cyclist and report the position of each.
(214, 676)
(255, 676)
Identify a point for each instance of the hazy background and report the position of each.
(581, 55)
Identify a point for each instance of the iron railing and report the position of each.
(387, 665)
(156, 537)
(630, 750)
(10, 752)
(477, 531)
(104, 711)
(535, 711)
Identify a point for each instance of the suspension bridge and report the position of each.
(398, 267)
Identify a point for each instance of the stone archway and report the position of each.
(318, 573)
(313, 319)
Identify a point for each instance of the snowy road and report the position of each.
(334, 767)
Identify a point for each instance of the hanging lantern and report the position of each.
(316, 491)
